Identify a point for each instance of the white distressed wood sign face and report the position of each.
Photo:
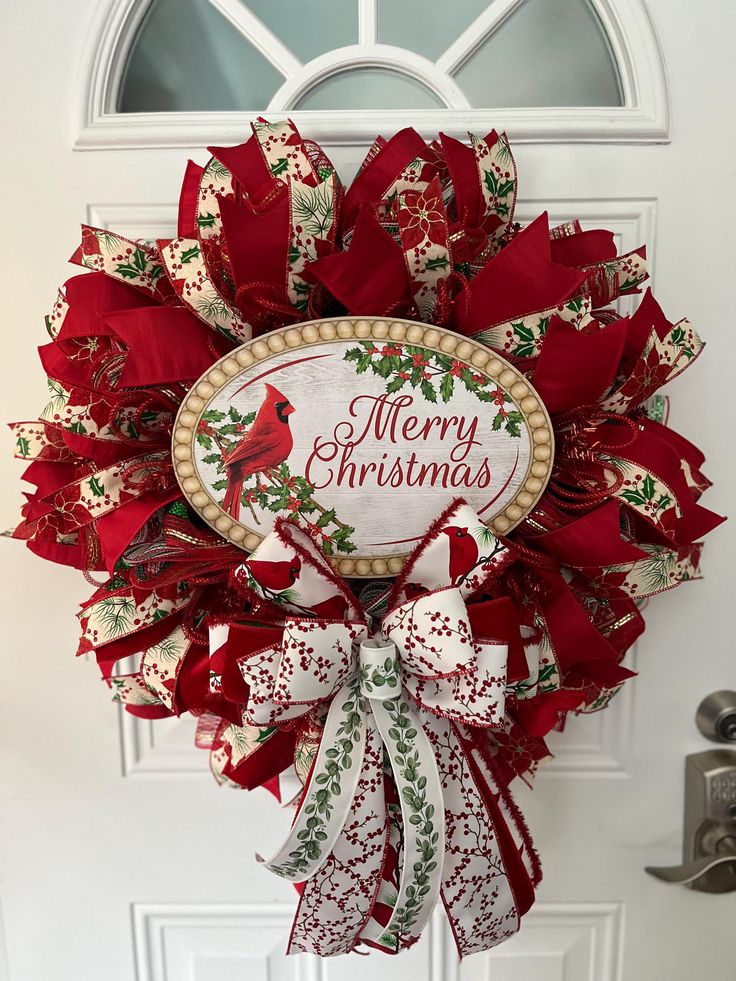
(363, 430)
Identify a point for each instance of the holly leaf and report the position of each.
(523, 332)
(189, 254)
(513, 419)
(395, 385)
(447, 386)
(341, 539)
(525, 350)
(96, 487)
(382, 367)
(633, 497)
(648, 487)
(497, 422)
(490, 181)
(428, 390)
(206, 221)
(127, 271)
(139, 260)
(326, 518)
(438, 262)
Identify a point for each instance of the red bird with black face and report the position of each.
(266, 444)
(463, 551)
(275, 576)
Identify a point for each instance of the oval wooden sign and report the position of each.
(363, 429)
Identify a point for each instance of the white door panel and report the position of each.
(121, 859)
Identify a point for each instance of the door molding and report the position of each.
(644, 116)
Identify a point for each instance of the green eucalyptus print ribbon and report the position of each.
(395, 810)
(375, 687)
(419, 788)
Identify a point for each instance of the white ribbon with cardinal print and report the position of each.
(401, 805)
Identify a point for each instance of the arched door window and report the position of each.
(187, 72)
(276, 55)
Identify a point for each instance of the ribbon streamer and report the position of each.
(429, 675)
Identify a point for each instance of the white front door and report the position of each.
(120, 857)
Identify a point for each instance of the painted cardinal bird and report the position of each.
(276, 576)
(266, 444)
(463, 551)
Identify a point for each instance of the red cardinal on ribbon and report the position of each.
(276, 576)
(266, 444)
(463, 551)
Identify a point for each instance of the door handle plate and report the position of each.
(709, 841)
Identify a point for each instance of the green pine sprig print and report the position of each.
(277, 490)
(313, 208)
(435, 375)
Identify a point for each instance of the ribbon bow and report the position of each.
(401, 803)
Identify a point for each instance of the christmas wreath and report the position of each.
(394, 714)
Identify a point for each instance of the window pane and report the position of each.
(369, 88)
(309, 27)
(188, 57)
(425, 26)
(546, 54)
